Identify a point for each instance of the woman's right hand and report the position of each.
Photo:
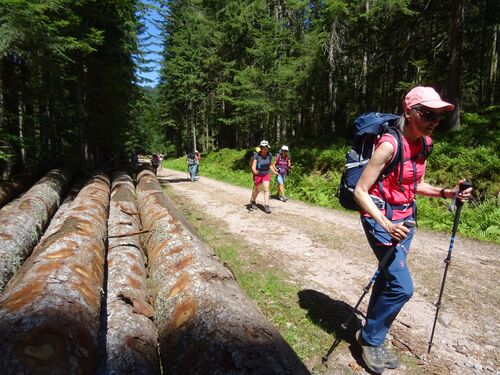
(397, 231)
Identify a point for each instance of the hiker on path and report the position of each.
(192, 163)
(134, 159)
(198, 159)
(283, 164)
(160, 161)
(155, 162)
(394, 286)
(262, 165)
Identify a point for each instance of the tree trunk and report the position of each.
(131, 336)
(364, 72)
(10, 109)
(493, 64)
(49, 314)
(22, 221)
(206, 323)
(456, 61)
(193, 124)
(30, 145)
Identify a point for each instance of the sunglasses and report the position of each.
(428, 115)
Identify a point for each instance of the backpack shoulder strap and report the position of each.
(398, 156)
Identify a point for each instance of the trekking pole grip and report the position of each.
(463, 186)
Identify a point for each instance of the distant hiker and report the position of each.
(192, 163)
(282, 164)
(155, 161)
(198, 159)
(160, 161)
(385, 205)
(262, 165)
(134, 159)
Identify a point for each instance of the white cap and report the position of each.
(284, 148)
(264, 143)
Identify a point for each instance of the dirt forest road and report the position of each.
(325, 251)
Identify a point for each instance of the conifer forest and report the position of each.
(232, 72)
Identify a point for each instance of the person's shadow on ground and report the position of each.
(329, 314)
(164, 180)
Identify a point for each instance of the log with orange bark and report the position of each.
(50, 310)
(131, 336)
(22, 221)
(206, 323)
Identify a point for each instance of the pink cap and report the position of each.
(426, 96)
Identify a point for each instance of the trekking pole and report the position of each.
(463, 186)
(366, 289)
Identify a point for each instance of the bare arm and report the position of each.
(428, 190)
(273, 167)
(254, 167)
(375, 166)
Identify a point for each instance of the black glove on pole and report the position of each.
(463, 186)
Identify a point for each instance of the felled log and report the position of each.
(131, 337)
(206, 323)
(10, 189)
(23, 220)
(49, 313)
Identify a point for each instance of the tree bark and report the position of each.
(23, 220)
(131, 336)
(49, 313)
(206, 323)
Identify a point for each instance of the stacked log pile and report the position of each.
(206, 324)
(131, 336)
(75, 308)
(49, 313)
(23, 220)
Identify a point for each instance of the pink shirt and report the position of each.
(392, 193)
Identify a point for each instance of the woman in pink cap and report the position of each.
(385, 230)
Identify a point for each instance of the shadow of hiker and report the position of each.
(329, 314)
(171, 180)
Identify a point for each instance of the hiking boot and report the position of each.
(284, 198)
(391, 360)
(373, 356)
(267, 209)
(281, 198)
(252, 206)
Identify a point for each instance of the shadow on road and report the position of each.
(329, 314)
(171, 180)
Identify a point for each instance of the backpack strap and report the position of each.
(397, 159)
(426, 151)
